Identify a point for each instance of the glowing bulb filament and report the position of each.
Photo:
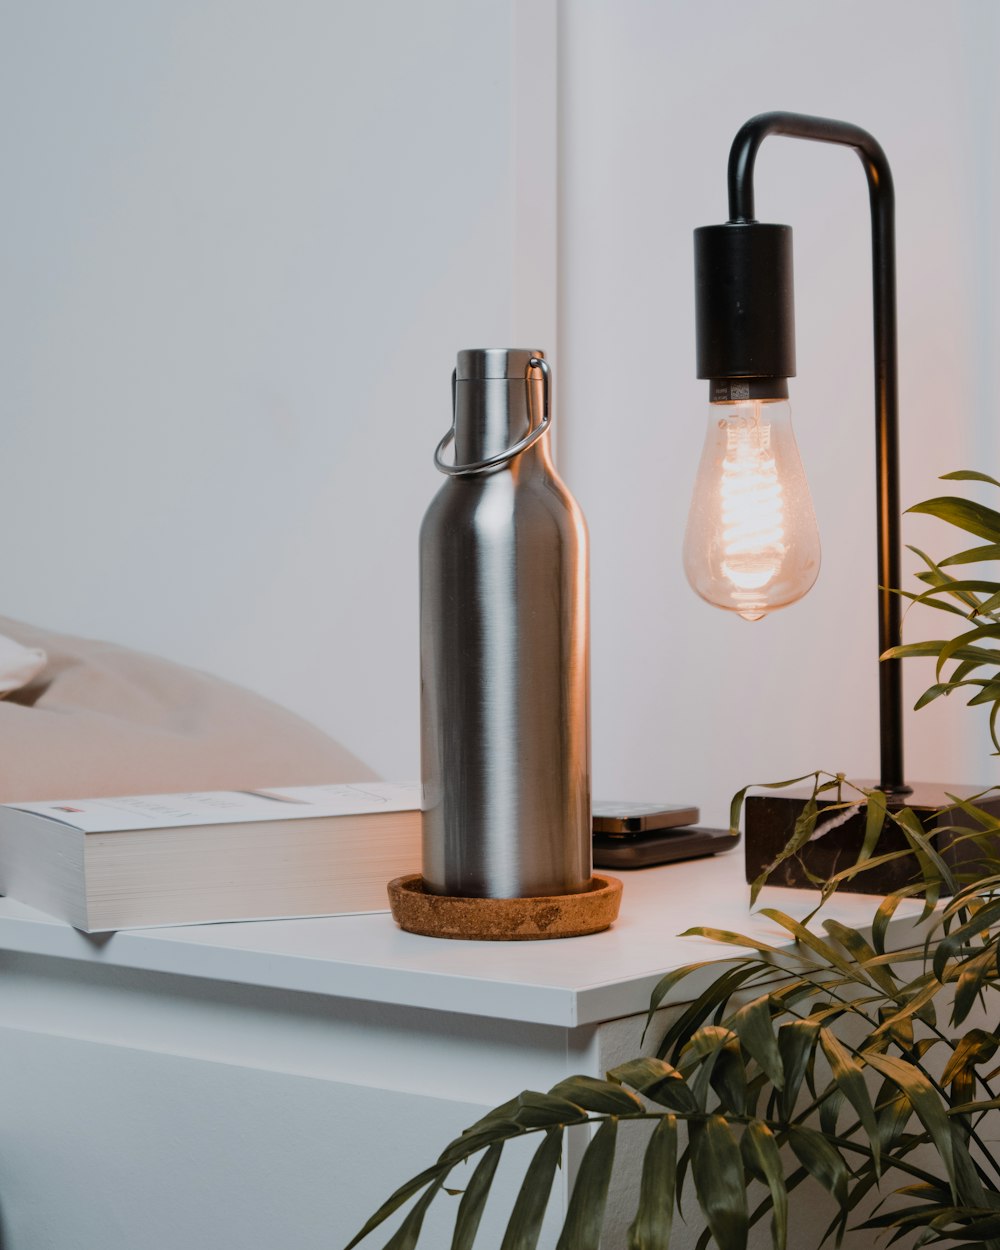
(752, 511)
(751, 544)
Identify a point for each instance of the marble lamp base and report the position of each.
(770, 821)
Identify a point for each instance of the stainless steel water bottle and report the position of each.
(504, 654)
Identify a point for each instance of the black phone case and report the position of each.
(661, 847)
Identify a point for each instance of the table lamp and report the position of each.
(751, 544)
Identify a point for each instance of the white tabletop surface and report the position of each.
(566, 982)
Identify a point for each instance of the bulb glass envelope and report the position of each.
(751, 544)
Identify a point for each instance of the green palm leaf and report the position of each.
(952, 944)
(968, 475)
(470, 1210)
(974, 555)
(525, 1221)
(924, 1100)
(752, 1025)
(738, 799)
(396, 1199)
(408, 1233)
(585, 1215)
(599, 1096)
(894, 1113)
(797, 1041)
(707, 1041)
(822, 1159)
(650, 1230)
(717, 1169)
(965, 514)
(728, 1077)
(874, 822)
(831, 1102)
(975, 974)
(848, 1074)
(823, 949)
(672, 979)
(658, 1081)
(970, 638)
(760, 1151)
(858, 947)
(933, 692)
(535, 1110)
(715, 996)
(885, 912)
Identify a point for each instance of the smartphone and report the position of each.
(626, 820)
(646, 849)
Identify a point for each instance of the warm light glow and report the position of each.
(752, 512)
(751, 544)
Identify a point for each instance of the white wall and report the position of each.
(243, 241)
(689, 702)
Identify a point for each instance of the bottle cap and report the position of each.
(494, 362)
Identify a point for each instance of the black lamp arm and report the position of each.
(881, 196)
(752, 134)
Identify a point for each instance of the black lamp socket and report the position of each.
(744, 309)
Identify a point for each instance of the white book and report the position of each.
(172, 859)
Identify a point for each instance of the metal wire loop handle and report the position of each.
(502, 457)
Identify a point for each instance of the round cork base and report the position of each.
(504, 919)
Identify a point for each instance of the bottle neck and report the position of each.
(492, 414)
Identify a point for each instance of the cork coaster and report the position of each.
(504, 919)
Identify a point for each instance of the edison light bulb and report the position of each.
(751, 544)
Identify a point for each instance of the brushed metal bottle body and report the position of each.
(504, 649)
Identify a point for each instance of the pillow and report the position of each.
(100, 719)
(18, 665)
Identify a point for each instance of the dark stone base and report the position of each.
(770, 821)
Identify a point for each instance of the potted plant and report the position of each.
(836, 1062)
